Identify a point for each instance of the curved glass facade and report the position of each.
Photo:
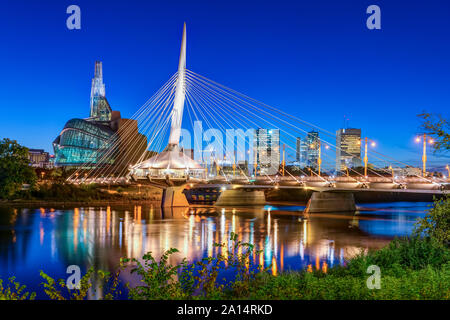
(83, 142)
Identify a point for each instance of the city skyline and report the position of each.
(393, 128)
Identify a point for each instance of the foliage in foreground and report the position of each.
(436, 223)
(12, 290)
(160, 280)
(108, 284)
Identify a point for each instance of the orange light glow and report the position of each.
(324, 267)
(274, 266)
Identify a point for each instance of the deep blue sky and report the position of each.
(314, 59)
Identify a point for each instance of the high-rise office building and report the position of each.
(307, 151)
(312, 149)
(267, 148)
(301, 152)
(348, 149)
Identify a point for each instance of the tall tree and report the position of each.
(439, 128)
(14, 168)
(436, 223)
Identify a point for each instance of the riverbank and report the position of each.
(49, 194)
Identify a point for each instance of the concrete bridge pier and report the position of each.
(241, 197)
(330, 202)
(173, 196)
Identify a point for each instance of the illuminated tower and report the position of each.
(267, 148)
(100, 109)
(348, 149)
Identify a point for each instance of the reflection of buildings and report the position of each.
(103, 138)
(348, 149)
(267, 147)
(102, 236)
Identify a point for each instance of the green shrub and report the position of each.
(400, 254)
(13, 290)
(57, 290)
(436, 223)
(200, 279)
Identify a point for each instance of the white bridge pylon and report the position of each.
(172, 161)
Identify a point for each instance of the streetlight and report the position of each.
(319, 158)
(392, 170)
(255, 164)
(346, 169)
(424, 152)
(366, 158)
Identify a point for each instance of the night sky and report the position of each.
(314, 59)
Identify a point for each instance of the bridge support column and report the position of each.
(241, 197)
(174, 197)
(329, 202)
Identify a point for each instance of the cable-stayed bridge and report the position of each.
(201, 133)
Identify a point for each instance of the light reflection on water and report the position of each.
(52, 239)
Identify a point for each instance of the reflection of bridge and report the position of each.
(172, 169)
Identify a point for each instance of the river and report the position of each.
(51, 239)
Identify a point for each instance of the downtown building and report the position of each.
(307, 150)
(39, 158)
(348, 149)
(267, 148)
(103, 139)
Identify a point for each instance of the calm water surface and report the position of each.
(50, 239)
